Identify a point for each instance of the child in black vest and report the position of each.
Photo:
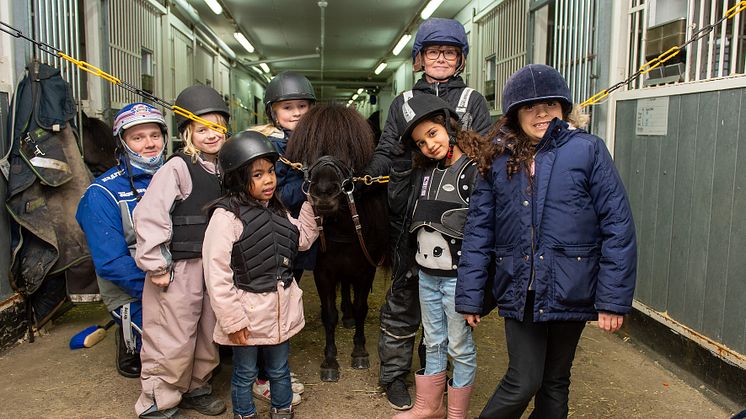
(249, 249)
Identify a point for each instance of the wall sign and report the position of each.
(652, 116)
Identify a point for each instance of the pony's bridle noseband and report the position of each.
(347, 186)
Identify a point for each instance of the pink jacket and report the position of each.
(152, 216)
(271, 317)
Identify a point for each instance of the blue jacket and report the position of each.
(289, 186)
(106, 203)
(572, 240)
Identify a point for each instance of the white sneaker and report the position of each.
(261, 390)
(297, 386)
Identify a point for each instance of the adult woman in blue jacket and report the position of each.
(551, 215)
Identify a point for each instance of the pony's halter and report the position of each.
(344, 174)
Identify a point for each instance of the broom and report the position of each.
(90, 336)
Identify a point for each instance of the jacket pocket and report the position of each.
(503, 285)
(574, 272)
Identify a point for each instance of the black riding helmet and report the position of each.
(287, 85)
(200, 100)
(243, 148)
(423, 106)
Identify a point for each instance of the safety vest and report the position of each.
(188, 217)
(465, 117)
(265, 252)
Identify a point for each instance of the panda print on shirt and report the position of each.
(433, 250)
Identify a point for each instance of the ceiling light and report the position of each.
(214, 6)
(402, 43)
(380, 68)
(360, 90)
(243, 41)
(258, 70)
(355, 96)
(264, 67)
(430, 8)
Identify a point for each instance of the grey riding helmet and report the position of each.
(287, 85)
(243, 148)
(424, 106)
(200, 100)
(533, 83)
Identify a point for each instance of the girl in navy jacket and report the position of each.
(550, 214)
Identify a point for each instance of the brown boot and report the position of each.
(458, 401)
(428, 402)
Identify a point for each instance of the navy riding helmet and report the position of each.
(532, 83)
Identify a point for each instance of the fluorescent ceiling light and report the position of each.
(243, 41)
(355, 96)
(430, 8)
(214, 6)
(258, 70)
(402, 43)
(264, 67)
(360, 90)
(380, 68)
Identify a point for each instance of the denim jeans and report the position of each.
(446, 332)
(245, 371)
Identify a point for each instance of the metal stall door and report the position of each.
(182, 74)
(134, 53)
(502, 37)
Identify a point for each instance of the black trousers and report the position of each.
(540, 358)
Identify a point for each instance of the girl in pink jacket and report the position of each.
(178, 354)
(249, 248)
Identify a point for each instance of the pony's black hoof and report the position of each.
(348, 323)
(329, 374)
(360, 362)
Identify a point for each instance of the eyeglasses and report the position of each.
(449, 54)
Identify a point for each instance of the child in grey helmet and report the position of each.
(257, 302)
(550, 219)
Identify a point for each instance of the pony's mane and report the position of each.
(332, 129)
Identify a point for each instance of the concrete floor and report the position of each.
(612, 377)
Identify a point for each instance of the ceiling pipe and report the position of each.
(192, 14)
(277, 60)
(322, 5)
(348, 83)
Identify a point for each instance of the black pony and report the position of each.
(334, 142)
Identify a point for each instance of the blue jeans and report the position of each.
(446, 332)
(245, 371)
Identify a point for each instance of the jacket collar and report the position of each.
(439, 88)
(556, 134)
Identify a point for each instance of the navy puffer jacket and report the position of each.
(573, 239)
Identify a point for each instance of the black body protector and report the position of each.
(440, 214)
(188, 217)
(265, 251)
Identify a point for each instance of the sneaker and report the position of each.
(398, 395)
(207, 404)
(261, 390)
(297, 386)
(281, 413)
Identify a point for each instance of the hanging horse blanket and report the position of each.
(46, 178)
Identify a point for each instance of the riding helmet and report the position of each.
(287, 85)
(533, 83)
(200, 100)
(135, 114)
(245, 147)
(438, 31)
(423, 106)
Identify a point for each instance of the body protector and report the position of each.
(438, 31)
(188, 216)
(287, 85)
(440, 214)
(533, 83)
(265, 251)
(200, 100)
